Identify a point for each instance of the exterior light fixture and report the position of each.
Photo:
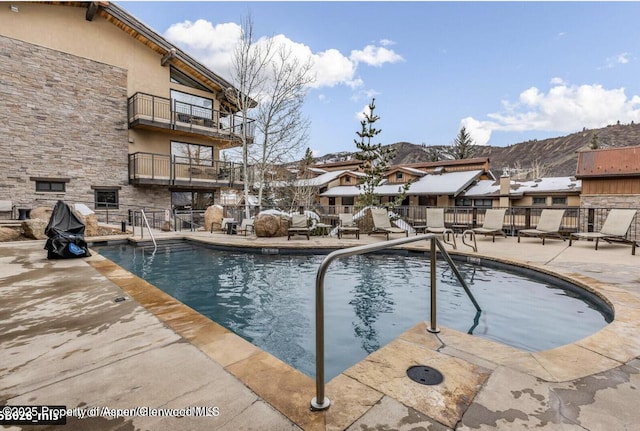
(14, 8)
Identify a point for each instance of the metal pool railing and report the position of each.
(320, 402)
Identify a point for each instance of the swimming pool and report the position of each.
(369, 300)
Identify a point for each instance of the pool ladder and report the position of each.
(143, 216)
(320, 402)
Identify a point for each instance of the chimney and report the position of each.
(505, 186)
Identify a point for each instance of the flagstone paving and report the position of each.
(65, 340)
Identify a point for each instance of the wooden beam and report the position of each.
(168, 56)
(92, 8)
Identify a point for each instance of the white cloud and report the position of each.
(213, 45)
(556, 80)
(375, 56)
(480, 131)
(612, 62)
(564, 108)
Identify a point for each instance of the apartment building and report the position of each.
(97, 108)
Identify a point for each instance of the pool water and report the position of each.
(370, 300)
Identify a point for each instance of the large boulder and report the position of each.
(41, 213)
(90, 225)
(34, 228)
(271, 224)
(213, 218)
(9, 234)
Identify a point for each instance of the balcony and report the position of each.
(147, 111)
(163, 169)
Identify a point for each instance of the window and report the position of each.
(347, 179)
(181, 78)
(51, 185)
(464, 202)
(348, 200)
(399, 176)
(192, 154)
(539, 201)
(106, 198)
(483, 203)
(191, 200)
(188, 105)
(559, 200)
(426, 201)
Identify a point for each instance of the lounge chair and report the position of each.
(614, 229)
(246, 226)
(8, 208)
(382, 224)
(548, 226)
(298, 226)
(493, 225)
(435, 224)
(347, 225)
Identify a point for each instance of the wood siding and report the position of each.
(617, 186)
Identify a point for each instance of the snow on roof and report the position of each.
(541, 185)
(483, 188)
(546, 185)
(320, 180)
(449, 183)
(317, 170)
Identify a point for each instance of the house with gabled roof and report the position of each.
(97, 108)
(610, 177)
(432, 183)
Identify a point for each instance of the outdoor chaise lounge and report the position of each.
(492, 225)
(382, 224)
(246, 226)
(298, 226)
(614, 229)
(347, 225)
(548, 226)
(7, 207)
(435, 224)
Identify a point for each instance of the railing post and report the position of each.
(433, 327)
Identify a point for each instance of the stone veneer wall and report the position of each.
(613, 201)
(64, 116)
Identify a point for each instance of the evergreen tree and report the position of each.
(463, 147)
(594, 144)
(374, 162)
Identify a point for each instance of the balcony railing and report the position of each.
(163, 169)
(149, 110)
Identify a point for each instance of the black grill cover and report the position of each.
(66, 234)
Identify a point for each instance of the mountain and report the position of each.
(553, 157)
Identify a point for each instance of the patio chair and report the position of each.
(492, 225)
(246, 226)
(382, 224)
(347, 225)
(298, 226)
(435, 224)
(7, 207)
(548, 226)
(614, 229)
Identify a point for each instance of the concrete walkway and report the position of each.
(65, 340)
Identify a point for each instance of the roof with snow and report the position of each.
(448, 183)
(518, 188)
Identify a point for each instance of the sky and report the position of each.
(508, 72)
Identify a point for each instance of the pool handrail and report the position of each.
(361, 249)
(144, 218)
